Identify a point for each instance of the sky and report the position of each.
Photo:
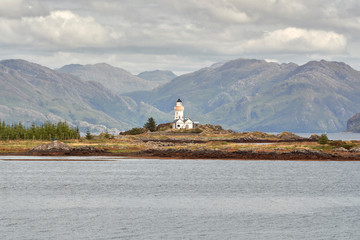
(178, 35)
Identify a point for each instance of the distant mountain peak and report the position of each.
(161, 76)
(70, 67)
(116, 79)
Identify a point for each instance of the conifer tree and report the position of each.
(107, 135)
(45, 131)
(150, 125)
(88, 135)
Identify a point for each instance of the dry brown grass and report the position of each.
(128, 144)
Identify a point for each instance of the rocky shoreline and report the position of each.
(297, 154)
(57, 148)
(214, 144)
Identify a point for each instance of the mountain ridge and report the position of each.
(159, 76)
(116, 79)
(241, 94)
(251, 94)
(353, 124)
(36, 93)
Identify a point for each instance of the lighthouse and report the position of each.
(181, 122)
(179, 110)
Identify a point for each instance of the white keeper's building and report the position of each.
(181, 122)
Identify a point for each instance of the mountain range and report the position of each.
(34, 93)
(116, 79)
(248, 95)
(242, 94)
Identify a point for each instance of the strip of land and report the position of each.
(216, 144)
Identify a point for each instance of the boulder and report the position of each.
(60, 148)
(340, 149)
(314, 137)
(289, 136)
(55, 146)
(355, 149)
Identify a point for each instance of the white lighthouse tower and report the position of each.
(181, 122)
(179, 110)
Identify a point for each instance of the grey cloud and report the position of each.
(195, 30)
(21, 8)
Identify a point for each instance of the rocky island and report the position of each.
(207, 142)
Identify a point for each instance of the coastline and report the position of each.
(184, 154)
(221, 145)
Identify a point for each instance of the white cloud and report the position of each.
(271, 60)
(58, 29)
(295, 40)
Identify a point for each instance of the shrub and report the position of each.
(107, 135)
(163, 126)
(348, 146)
(337, 143)
(196, 130)
(193, 130)
(134, 131)
(323, 139)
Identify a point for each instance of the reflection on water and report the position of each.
(60, 158)
(332, 136)
(179, 199)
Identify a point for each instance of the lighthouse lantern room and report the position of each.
(179, 110)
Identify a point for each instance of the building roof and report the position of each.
(188, 119)
(176, 120)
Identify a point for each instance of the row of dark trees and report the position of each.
(45, 131)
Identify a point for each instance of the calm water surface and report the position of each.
(179, 199)
(335, 136)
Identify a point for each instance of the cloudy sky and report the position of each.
(178, 35)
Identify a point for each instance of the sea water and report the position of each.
(178, 199)
(344, 136)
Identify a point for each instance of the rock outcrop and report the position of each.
(289, 136)
(353, 124)
(55, 146)
(297, 154)
(60, 148)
